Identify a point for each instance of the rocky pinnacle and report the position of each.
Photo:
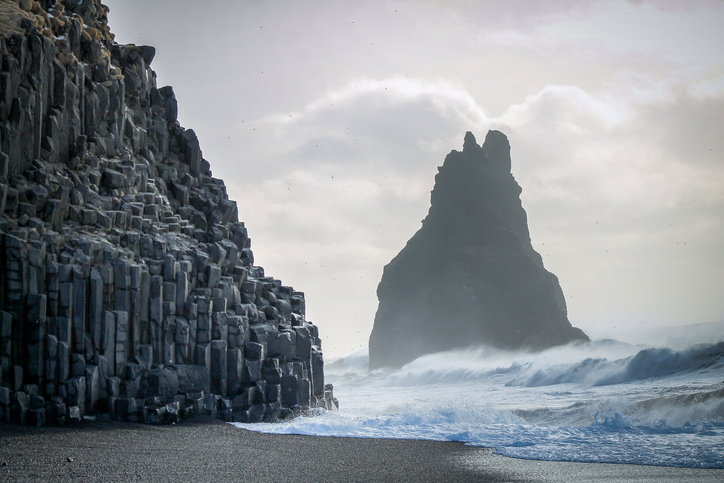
(469, 276)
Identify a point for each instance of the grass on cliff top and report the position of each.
(10, 17)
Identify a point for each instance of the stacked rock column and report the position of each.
(128, 286)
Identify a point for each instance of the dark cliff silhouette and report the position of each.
(470, 276)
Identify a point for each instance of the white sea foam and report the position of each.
(610, 402)
(645, 364)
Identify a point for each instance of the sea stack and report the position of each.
(470, 275)
(128, 287)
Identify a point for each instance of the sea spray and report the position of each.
(609, 402)
(645, 364)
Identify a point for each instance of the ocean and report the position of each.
(611, 402)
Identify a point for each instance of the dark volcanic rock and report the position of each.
(127, 284)
(470, 276)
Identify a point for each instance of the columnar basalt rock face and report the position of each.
(128, 285)
(470, 276)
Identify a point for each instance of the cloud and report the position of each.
(654, 154)
(401, 114)
(686, 32)
(359, 155)
(613, 110)
(611, 183)
(341, 185)
(614, 187)
(680, 32)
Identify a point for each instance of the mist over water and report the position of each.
(609, 402)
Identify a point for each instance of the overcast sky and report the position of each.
(327, 121)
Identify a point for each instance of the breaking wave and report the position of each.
(645, 364)
(609, 402)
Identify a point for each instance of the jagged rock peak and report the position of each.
(470, 145)
(497, 150)
(470, 275)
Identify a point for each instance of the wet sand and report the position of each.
(204, 449)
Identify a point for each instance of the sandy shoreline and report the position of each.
(204, 449)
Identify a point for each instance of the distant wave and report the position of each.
(358, 360)
(647, 363)
(461, 365)
(603, 363)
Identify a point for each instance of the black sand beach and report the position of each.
(204, 449)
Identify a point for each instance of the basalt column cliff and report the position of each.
(127, 284)
(469, 276)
